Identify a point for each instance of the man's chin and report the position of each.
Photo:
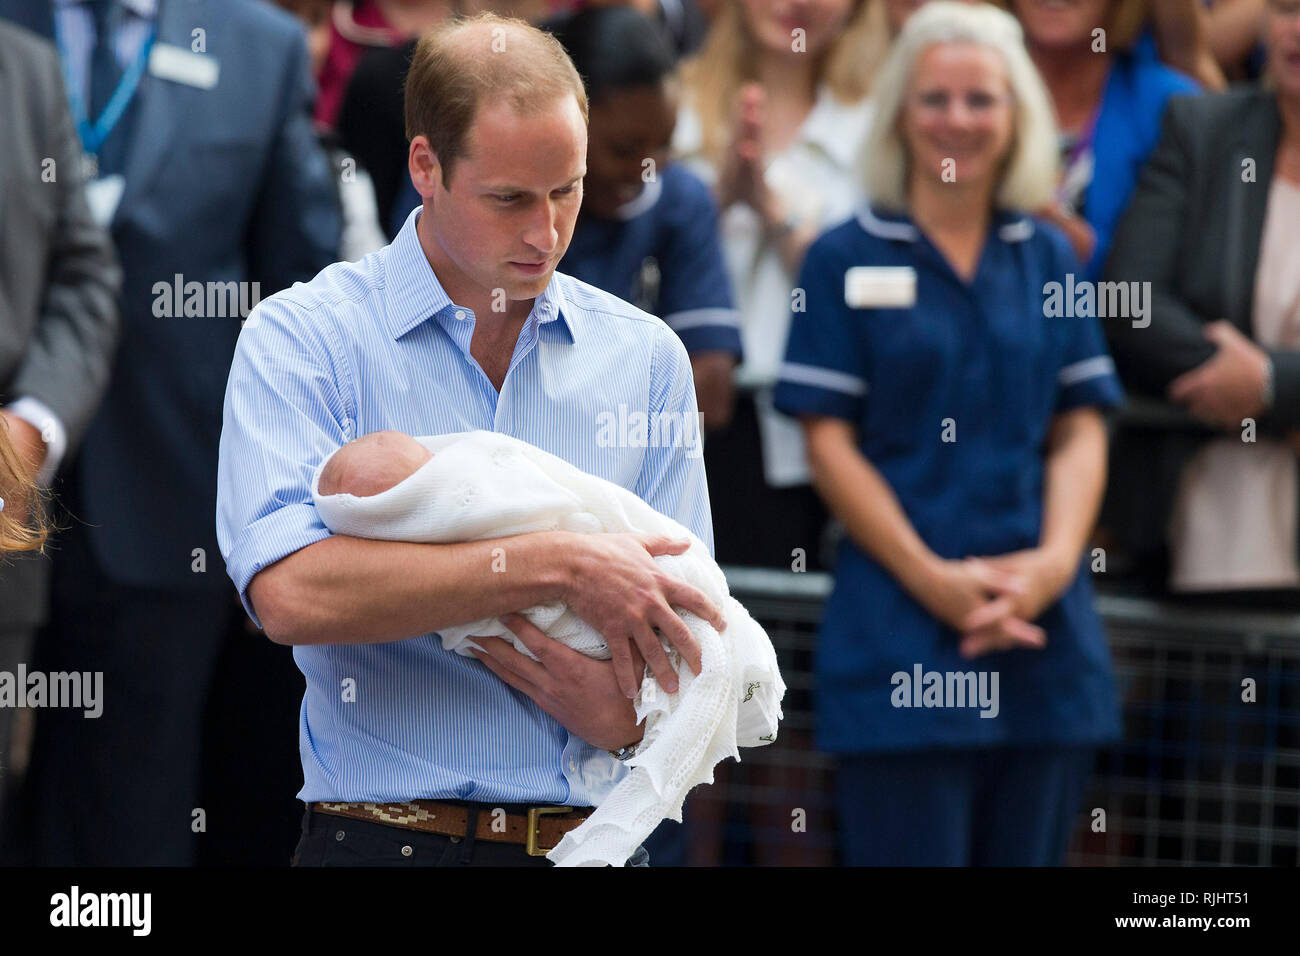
(528, 287)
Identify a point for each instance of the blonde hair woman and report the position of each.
(22, 527)
(772, 111)
(954, 429)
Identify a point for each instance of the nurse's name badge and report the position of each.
(880, 287)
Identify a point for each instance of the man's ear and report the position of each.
(425, 170)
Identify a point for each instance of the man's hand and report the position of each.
(978, 600)
(30, 449)
(581, 693)
(1229, 386)
(620, 591)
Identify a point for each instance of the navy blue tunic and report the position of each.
(978, 364)
(673, 223)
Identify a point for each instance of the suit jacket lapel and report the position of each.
(1256, 139)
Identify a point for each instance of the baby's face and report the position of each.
(372, 464)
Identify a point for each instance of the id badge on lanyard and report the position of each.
(94, 133)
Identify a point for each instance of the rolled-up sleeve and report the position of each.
(824, 361)
(672, 477)
(286, 410)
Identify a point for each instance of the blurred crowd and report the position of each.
(967, 476)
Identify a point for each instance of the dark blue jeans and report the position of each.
(329, 840)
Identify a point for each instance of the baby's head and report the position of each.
(372, 464)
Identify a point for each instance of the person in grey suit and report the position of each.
(1212, 229)
(211, 179)
(58, 317)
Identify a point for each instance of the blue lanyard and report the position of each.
(94, 134)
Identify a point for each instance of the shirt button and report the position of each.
(460, 314)
(339, 835)
(573, 765)
(407, 851)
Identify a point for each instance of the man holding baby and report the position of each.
(420, 756)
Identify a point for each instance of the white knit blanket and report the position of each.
(483, 485)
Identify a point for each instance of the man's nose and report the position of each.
(541, 233)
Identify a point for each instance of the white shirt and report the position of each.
(815, 181)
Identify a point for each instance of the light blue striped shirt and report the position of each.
(377, 344)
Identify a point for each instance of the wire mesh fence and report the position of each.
(1208, 771)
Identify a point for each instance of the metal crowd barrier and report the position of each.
(1200, 777)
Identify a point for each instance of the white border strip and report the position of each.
(823, 378)
(695, 318)
(1094, 367)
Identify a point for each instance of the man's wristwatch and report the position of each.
(623, 753)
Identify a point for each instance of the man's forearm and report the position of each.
(346, 590)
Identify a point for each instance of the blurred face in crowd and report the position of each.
(958, 107)
(1283, 38)
(1061, 24)
(627, 127)
(514, 196)
(773, 22)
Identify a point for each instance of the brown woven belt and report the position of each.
(539, 830)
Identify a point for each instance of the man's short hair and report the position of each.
(486, 58)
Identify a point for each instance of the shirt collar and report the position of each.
(415, 294)
(145, 9)
(1011, 226)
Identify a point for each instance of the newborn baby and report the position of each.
(476, 485)
(371, 464)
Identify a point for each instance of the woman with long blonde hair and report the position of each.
(22, 526)
(772, 111)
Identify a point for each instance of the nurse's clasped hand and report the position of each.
(1046, 573)
(979, 600)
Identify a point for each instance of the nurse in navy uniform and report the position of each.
(957, 431)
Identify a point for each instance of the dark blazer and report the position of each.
(58, 277)
(226, 184)
(1193, 230)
